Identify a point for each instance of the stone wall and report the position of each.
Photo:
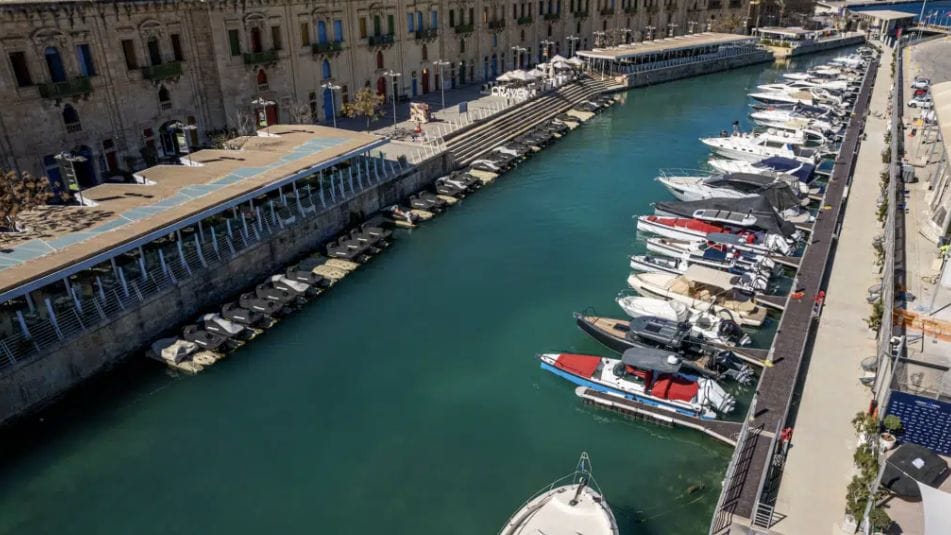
(696, 69)
(31, 385)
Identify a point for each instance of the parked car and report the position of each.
(920, 92)
(924, 103)
(921, 83)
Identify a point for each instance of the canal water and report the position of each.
(407, 400)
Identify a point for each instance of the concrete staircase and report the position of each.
(471, 143)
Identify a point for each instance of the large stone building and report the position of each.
(126, 83)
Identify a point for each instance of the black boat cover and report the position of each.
(658, 360)
(917, 463)
(760, 207)
(803, 171)
(666, 332)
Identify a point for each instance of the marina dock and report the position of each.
(748, 472)
(722, 430)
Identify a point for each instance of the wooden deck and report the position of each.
(742, 492)
(722, 430)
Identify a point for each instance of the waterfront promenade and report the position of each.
(823, 439)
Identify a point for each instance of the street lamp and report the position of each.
(518, 55)
(333, 99)
(393, 76)
(692, 24)
(264, 103)
(178, 125)
(442, 82)
(71, 179)
(573, 46)
(598, 38)
(626, 32)
(671, 27)
(650, 32)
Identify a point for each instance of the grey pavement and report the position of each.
(811, 496)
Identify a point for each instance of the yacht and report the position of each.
(649, 376)
(691, 229)
(700, 185)
(801, 96)
(706, 289)
(712, 254)
(570, 505)
(755, 147)
(702, 323)
(774, 165)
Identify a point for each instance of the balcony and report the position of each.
(69, 88)
(714, 4)
(257, 58)
(580, 14)
(331, 47)
(385, 39)
(524, 20)
(607, 11)
(172, 69)
(735, 4)
(464, 28)
(631, 10)
(497, 24)
(552, 16)
(427, 34)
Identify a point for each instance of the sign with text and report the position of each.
(519, 93)
(925, 421)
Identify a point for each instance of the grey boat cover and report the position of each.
(658, 360)
(780, 194)
(910, 463)
(767, 218)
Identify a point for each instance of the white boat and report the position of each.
(570, 505)
(775, 165)
(706, 289)
(782, 97)
(703, 324)
(695, 185)
(702, 252)
(650, 376)
(748, 280)
(679, 228)
(755, 147)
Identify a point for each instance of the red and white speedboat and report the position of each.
(682, 228)
(649, 376)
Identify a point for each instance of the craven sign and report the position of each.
(508, 92)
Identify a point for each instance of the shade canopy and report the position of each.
(557, 57)
(576, 61)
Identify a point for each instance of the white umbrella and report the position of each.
(504, 77)
(536, 73)
(521, 75)
(557, 57)
(561, 64)
(576, 61)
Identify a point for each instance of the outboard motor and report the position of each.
(734, 368)
(731, 331)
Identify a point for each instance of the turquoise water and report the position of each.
(407, 400)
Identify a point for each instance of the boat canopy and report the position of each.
(746, 178)
(659, 329)
(801, 170)
(759, 207)
(657, 360)
(710, 276)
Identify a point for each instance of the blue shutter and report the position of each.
(434, 23)
(409, 23)
(338, 30)
(321, 32)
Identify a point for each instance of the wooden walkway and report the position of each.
(722, 430)
(741, 493)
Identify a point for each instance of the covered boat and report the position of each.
(174, 350)
(774, 165)
(650, 376)
(703, 325)
(570, 505)
(761, 212)
(690, 229)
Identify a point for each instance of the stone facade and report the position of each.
(115, 81)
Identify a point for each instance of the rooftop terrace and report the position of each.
(63, 240)
(681, 42)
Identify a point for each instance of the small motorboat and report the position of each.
(755, 147)
(570, 505)
(267, 291)
(702, 290)
(650, 376)
(700, 355)
(712, 254)
(703, 325)
(775, 165)
(296, 288)
(242, 316)
(204, 339)
(217, 324)
(306, 276)
(401, 217)
(679, 228)
(750, 279)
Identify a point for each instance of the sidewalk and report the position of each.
(811, 496)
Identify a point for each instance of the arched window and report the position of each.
(71, 119)
(325, 69)
(55, 64)
(379, 59)
(262, 80)
(164, 99)
(425, 53)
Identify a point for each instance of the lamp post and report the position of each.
(393, 76)
(921, 18)
(518, 55)
(264, 103)
(598, 38)
(650, 32)
(671, 29)
(72, 179)
(626, 32)
(333, 99)
(691, 25)
(178, 125)
(442, 82)
(573, 46)
(547, 44)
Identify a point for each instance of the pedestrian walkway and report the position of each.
(819, 466)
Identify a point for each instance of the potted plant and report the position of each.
(866, 427)
(892, 425)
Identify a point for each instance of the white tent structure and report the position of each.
(576, 61)
(557, 57)
(937, 506)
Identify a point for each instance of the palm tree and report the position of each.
(19, 193)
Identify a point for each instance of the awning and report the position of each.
(937, 506)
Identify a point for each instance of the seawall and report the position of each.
(32, 384)
(676, 72)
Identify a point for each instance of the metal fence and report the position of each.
(75, 314)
